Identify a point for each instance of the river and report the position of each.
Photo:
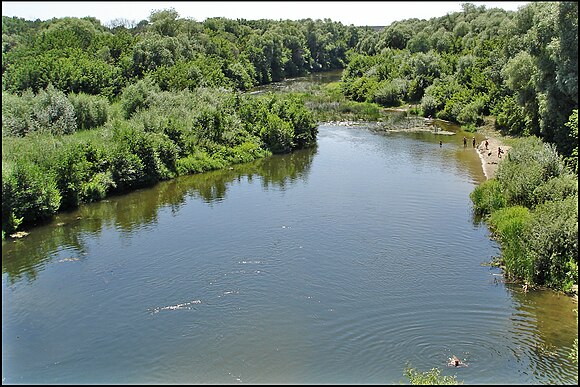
(343, 263)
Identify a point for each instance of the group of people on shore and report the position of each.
(486, 143)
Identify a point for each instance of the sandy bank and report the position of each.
(489, 157)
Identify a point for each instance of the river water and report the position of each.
(341, 264)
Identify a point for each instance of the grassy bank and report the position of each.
(148, 136)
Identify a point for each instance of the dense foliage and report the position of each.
(178, 133)
(521, 67)
(89, 110)
(83, 56)
(532, 208)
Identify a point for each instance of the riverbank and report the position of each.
(489, 155)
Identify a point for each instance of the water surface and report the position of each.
(336, 264)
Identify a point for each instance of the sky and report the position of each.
(358, 13)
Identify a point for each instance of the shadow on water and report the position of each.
(63, 237)
(551, 316)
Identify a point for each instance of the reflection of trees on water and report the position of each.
(284, 171)
(126, 213)
(551, 317)
(278, 171)
(24, 258)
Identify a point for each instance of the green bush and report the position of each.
(488, 197)
(71, 169)
(429, 105)
(29, 195)
(126, 169)
(17, 114)
(388, 94)
(431, 377)
(556, 188)
(510, 116)
(53, 112)
(167, 152)
(510, 226)
(91, 111)
(97, 187)
(528, 165)
(553, 241)
(198, 162)
(277, 134)
(49, 111)
(138, 96)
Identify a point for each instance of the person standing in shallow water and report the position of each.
(473, 142)
(440, 143)
(464, 141)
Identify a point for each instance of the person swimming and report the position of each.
(455, 362)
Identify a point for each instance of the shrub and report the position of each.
(53, 112)
(510, 225)
(71, 169)
(17, 114)
(29, 195)
(528, 165)
(428, 105)
(388, 94)
(126, 169)
(488, 197)
(556, 188)
(97, 187)
(277, 134)
(138, 96)
(431, 377)
(553, 240)
(91, 111)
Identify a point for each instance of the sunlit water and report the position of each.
(339, 264)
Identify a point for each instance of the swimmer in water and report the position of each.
(455, 362)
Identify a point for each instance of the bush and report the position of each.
(198, 162)
(488, 197)
(17, 114)
(510, 116)
(53, 112)
(430, 377)
(470, 113)
(510, 225)
(29, 195)
(429, 105)
(277, 134)
(50, 112)
(71, 169)
(97, 187)
(91, 111)
(126, 169)
(138, 96)
(528, 165)
(556, 188)
(388, 94)
(553, 240)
